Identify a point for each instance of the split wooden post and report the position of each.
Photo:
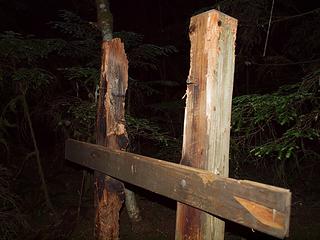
(208, 112)
(111, 132)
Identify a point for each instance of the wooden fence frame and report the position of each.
(200, 183)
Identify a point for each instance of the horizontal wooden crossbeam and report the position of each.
(258, 206)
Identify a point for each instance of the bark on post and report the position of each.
(208, 113)
(111, 132)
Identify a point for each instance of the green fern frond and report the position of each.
(140, 127)
(276, 124)
(147, 55)
(74, 26)
(88, 75)
(130, 39)
(141, 88)
(87, 50)
(19, 48)
(32, 78)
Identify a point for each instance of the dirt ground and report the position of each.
(158, 222)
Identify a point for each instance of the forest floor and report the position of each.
(75, 215)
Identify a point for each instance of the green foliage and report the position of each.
(274, 126)
(139, 127)
(82, 38)
(146, 55)
(86, 78)
(72, 25)
(84, 42)
(254, 110)
(32, 78)
(16, 48)
(143, 55)
(21, 73)
(80, 120)
(277, 126)
(20, 64)
(141, 88)
(88, 75)
(23, 67)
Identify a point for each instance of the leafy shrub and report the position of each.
(280, 127)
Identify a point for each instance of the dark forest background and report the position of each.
(49, 70)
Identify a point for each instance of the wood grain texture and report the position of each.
(207, 114)
(258, 206)
(109, 192)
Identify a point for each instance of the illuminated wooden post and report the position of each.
(207, 114)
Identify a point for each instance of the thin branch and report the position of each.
(287, 64)
(80, 195)
(37, 154)
(279, 19)
(296, 16)
(268, 32)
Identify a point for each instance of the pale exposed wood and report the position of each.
(258, 206)
(208, 112)
(109, 193)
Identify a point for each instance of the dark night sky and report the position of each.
(161, 22)
(145, 16)
(140, 15)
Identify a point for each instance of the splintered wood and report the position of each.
(208, 112)
(109, 192)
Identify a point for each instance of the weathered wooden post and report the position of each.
(208, 113)
(111, 132)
